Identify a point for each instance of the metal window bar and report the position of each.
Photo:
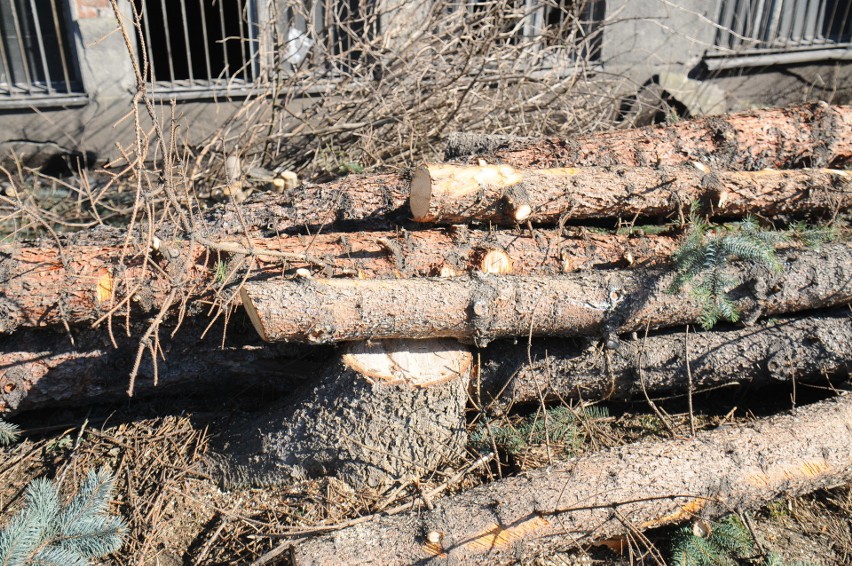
(759, 26)
(199, 47)
(549, 18)
(36, 61)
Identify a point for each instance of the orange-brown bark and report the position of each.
(809, 135)
(40, 289)
(609, 493)
(485, 307)
(496, 193)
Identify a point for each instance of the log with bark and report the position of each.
(484, 307)
(453, 194)
(43, 369)
(609, 493)
(809, 135)
(386, 411)
(49, 285)
(813, 349)
(377, 201)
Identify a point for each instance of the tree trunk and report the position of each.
(453, 194)
(385, 412)
(48, 286)
(806, 350)
(42, 369)
(485, 307)
(374, 201)
(609, 493)
(809, 135)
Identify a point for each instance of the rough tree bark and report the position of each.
(386, 412)
(357, 200)
(44, 285)
(453, 194)
(608, 493)
(810, 135)
(42, 369)
(485, 307)
(814, 350)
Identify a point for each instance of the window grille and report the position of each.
(331, 30)
(760, 26)
(199, 47)
(37, 64)
(571, 29)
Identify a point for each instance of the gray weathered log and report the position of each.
(387, 411)
(485, 307)
(41, 369)
(813, 349)
(608, 493)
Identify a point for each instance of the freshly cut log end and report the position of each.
(253, 316)
(421, 194)
(496, 262)
(438, 192)
(384, 411)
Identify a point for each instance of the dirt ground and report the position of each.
(177, 515)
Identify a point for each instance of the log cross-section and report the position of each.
(482, 307)
(503, 194)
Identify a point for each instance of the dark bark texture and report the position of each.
(43, 369)
(365, 429)
(812, 349)
(604, 494)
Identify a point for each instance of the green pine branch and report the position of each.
(702, 262)
(45, 532)
(9, 433)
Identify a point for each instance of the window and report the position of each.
(760, 26)
(557, 31)
(332, 31)
(199, 47)
(37, 64)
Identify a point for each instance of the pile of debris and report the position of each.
(605, 239)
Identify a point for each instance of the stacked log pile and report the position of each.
(412, 273)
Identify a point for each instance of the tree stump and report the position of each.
(384, 411)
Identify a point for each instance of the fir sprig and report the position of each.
(728, 541)
(9, 433)
(560, 425)
(704, 256)
(47, 533)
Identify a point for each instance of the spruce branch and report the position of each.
(9, 433)
(45, 532)
(702, 262)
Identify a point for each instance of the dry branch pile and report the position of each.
(345, 262)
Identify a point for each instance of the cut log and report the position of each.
(614, 492)
(376, 201)
(806, 350)
(42, 369)
(386, 412)
(502, 194)
(810, 135)
(40, 289)
(485, 307)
